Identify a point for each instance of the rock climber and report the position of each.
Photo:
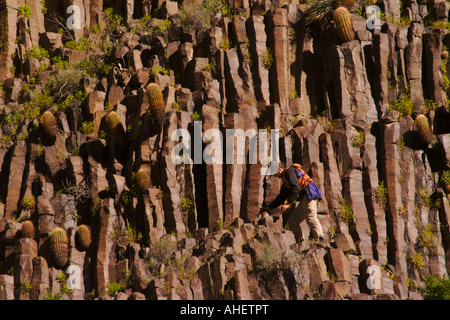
(298, 197)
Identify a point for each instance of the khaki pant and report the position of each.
(301, 210)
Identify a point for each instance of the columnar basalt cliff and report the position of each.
(87, 149)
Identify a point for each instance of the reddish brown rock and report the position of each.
(23, 275)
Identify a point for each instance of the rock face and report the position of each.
(238, 96)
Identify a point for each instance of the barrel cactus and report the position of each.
(321, 13)
(423, 128)
(83, 237)
(59, 247)
(28, 230)
(343, 23)
(142, 179)
(49, 123)
(156, 104)
(116, 128)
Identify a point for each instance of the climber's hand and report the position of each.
(284, 207)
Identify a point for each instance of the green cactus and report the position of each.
(423, 127)
(28, 230)
(117, 129)
(49, 124)
(142, 179)
(344, 25)
(157, 105)
(59, 247)
(320, 13)
(83, 237)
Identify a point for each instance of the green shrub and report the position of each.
(24, 11)
(381, 194)
(268, 59)
(28, 202)
(160, 252)
(346, 213)
(156, 69)
(112, 288)
(196, 15)
(65, 81)
(274, 259)
(436, 288)
(62, 280)
(445, 178)
(358, 139)
(36, 52)
(87, 127)
(195, 116)
(424, 197)
(186, 205)
(132, 235)
(430, 105)
(427, 239)
(417, 260)
(403, 105)
(27, 286)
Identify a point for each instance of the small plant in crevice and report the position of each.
(427, 239)
(113, 287)
(28, 202)
(417, 260)
(404, 105)
(268, 59)
(445, 180)
(358, 139)
(381, 195)
(186, 205)
(346, 212)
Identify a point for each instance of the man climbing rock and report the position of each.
(298, 197)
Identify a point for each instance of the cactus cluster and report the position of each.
(83, 237)
(28, 230)
(49, 123)
(116, 128)
(142, 179)
(156, 105)
(59, 247)
(423, 128)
